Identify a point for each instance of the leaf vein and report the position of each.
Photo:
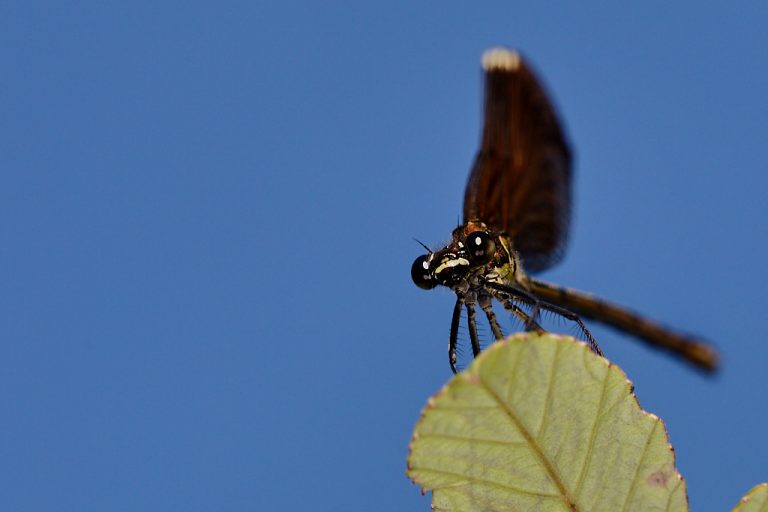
(472, 439)
(548, 466)
(593, 436)
(639, 465)
(488, 482)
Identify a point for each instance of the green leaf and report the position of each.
(756, 500)
(542, 423)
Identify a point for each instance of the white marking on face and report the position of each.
(463, 262)
(478, 240)
(425, 264)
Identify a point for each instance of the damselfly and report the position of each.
(516, 213)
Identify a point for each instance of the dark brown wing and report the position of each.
(520, 182)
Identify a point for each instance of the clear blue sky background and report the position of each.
(206, 214)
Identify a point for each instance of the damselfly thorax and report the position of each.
(516, 219)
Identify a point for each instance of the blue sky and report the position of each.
(207, 214)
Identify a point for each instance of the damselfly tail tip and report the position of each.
(501, 58)
(705, 357)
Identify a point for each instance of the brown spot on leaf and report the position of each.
(658, 478)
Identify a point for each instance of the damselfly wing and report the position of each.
(516, 216)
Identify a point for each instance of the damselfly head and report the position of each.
(474, 252)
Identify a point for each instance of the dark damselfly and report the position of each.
(516, 217)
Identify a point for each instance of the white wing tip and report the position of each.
(501, 58)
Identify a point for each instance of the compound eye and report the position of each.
(421, 275)
(480, 247)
